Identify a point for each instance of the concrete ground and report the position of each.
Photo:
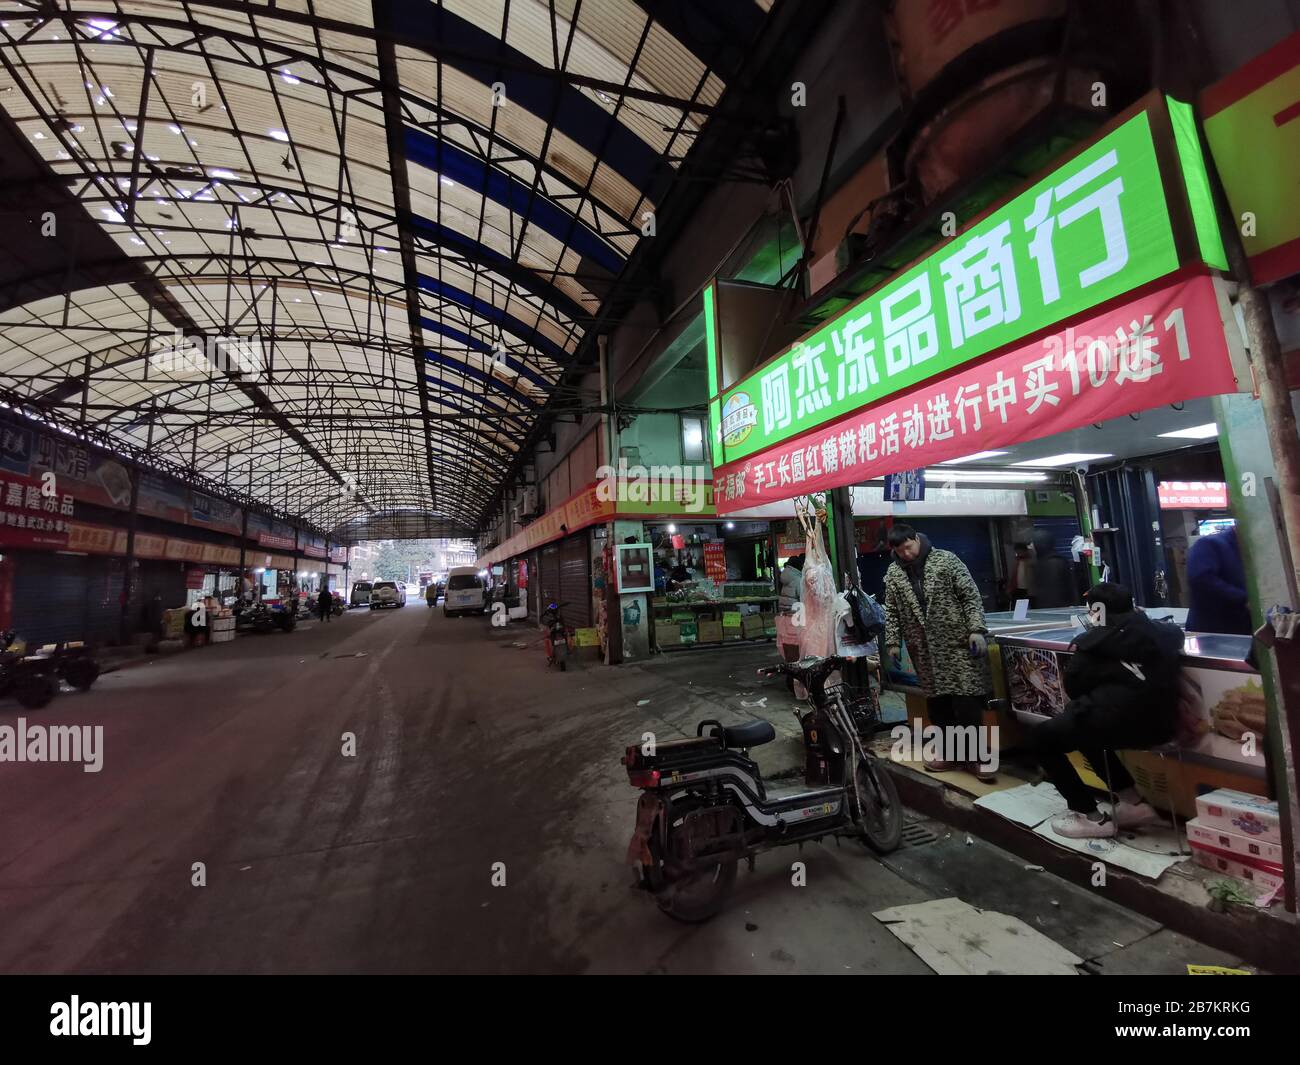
(469, 753)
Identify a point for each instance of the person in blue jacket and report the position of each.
(1216, 580)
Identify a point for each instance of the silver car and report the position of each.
(387, 593)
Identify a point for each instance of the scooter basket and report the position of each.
(862, 703)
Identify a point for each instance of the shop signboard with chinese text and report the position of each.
(1252, 124)
(31, 516)
(1164, 347)
(1100, 225)
(215, 513)
(267, 533)
(1192, 495)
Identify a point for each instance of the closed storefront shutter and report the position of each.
(550, 574)
(63, 597)
(575, 581)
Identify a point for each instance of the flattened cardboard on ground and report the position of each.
(1029, 804)
(956, 939)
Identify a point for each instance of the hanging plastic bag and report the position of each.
(818, 594)
(851, 640)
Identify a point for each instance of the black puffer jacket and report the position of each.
(1128, 668)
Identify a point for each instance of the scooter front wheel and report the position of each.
(881, 823)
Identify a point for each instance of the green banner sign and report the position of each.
(1097, 227)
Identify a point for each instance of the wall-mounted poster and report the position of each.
(163, 498)
(216, 513)
(715, 560)
(905, 487)
(635, 569)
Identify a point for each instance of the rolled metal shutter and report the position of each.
(575, 581)
(63, 597)
(549, 571)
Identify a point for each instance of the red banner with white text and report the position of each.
(1161, 348)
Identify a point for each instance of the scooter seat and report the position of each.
(751, 734)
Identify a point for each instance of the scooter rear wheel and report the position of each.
(882, 814)
(698, 896)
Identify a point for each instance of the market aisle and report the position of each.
(468, 753)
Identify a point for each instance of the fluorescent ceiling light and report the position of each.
(289, 78)
(279, 135)
(939, 475)
(1070, 458)
(974, 457)
(218, 173)
(1195, 432)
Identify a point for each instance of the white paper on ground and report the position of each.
(1134, 857)
(1027, 805)
(956, 939)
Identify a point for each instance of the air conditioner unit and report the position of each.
(528, 503)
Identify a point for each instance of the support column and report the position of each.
(128, 572)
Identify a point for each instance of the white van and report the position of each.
(466, 592)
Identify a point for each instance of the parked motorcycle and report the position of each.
(258, 617)
(555, 637)
(34, 679)
(704, 805)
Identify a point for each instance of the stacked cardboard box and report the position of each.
(710, 631)
(668, 634)
(751, 626)
(1238, 834)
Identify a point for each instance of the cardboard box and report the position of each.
(1237, 811)
(769, 624)
(690, 631)
(751, 626)
(1248, 849)
(710, 631)
(1249, 874)
(668, 634)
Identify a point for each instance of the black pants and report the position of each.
(324, 613)
(1096, 732)
(947, 710)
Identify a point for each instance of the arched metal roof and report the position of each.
(409, 212)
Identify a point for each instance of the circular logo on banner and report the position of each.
(739, 417)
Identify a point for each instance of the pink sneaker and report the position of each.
(1074, 825)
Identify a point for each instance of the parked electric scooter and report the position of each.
(555, 638)
(704, 805)
(34, 679)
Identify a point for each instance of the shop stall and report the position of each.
(1080, 372)
(714, 583)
